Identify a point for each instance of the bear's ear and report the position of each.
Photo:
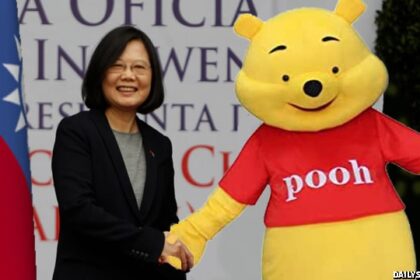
(350, 10)
(247, 25)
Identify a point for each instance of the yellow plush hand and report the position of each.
(194, 241)
(203, 225)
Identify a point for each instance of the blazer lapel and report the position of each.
(151, 169)
(111, 144)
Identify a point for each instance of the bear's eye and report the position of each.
(329, 38)
(278, 48)
(286, 78)
(335, 70)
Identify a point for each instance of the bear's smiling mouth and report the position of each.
(314, 109)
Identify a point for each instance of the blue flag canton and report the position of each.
(12, 118)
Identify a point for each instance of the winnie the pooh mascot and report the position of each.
(333, 212)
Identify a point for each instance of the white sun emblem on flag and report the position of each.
(14, 96)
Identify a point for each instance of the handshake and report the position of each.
(186, 241)
(175, 250)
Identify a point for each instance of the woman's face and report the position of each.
(127, 81)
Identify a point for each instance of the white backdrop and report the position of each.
(200, 56)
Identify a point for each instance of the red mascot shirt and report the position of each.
(331, 175)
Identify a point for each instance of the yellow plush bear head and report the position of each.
(308, 69)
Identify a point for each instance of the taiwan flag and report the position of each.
(17, 249)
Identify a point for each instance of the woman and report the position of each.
(113, 173)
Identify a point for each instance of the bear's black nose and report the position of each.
(312, 88)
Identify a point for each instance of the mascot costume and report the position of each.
(333, 212)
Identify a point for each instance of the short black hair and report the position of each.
(106, 53)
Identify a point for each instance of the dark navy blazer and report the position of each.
(103, 233)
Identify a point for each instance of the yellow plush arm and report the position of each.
(204, 224)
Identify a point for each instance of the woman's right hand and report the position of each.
(175, 248)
